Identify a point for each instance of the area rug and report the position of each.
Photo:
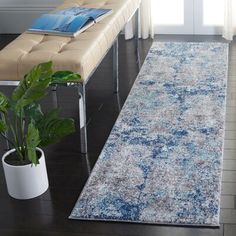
(162, 162)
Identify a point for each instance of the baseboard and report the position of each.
(17, 20)
(17, 15)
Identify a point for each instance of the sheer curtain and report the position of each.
(230, 19)
(146, 25)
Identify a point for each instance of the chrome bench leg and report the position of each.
(54, 96)
(137, 26)
(116, 65)
(82, 118)
(118, 101)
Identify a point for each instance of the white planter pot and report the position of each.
(28, 181)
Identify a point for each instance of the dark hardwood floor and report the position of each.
(68, 170)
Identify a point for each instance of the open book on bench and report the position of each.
(68, 22)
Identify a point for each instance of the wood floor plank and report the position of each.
(227, 202)
(228, 189)
(229, 165)
(229, 143)
(229, 154)
(232, 73)
(231, 103)
(230, 118)
(229, 229)
(230, 135)
(229, 176)
(228, 216)
(232, 78)
(231, 126)
(42, 233)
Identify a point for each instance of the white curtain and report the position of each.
(230, 19)
(146, 25)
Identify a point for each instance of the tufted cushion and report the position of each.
(80, 54)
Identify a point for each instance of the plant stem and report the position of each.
(17, 145)
(16, 131)
(14, 145)
(23, 137)
(21, 134)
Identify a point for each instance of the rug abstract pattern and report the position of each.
(162, 161)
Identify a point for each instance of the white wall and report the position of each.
(17, 15)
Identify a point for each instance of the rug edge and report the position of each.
(146, 222)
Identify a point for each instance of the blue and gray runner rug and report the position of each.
(162, 162)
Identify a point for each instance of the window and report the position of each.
(188, 16)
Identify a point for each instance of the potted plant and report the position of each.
(30, 129)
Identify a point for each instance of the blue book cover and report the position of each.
(69, 21)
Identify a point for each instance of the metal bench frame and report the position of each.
(82, 86)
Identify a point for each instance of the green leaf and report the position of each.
(3, 126)
(38, 74)
(33, 112)
(52, 128)
(61, 77)
(33, 86)
(3, 103)
(32, 141)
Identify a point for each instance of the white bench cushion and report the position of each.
(81, 54)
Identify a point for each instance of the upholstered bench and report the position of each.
(81, 54)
